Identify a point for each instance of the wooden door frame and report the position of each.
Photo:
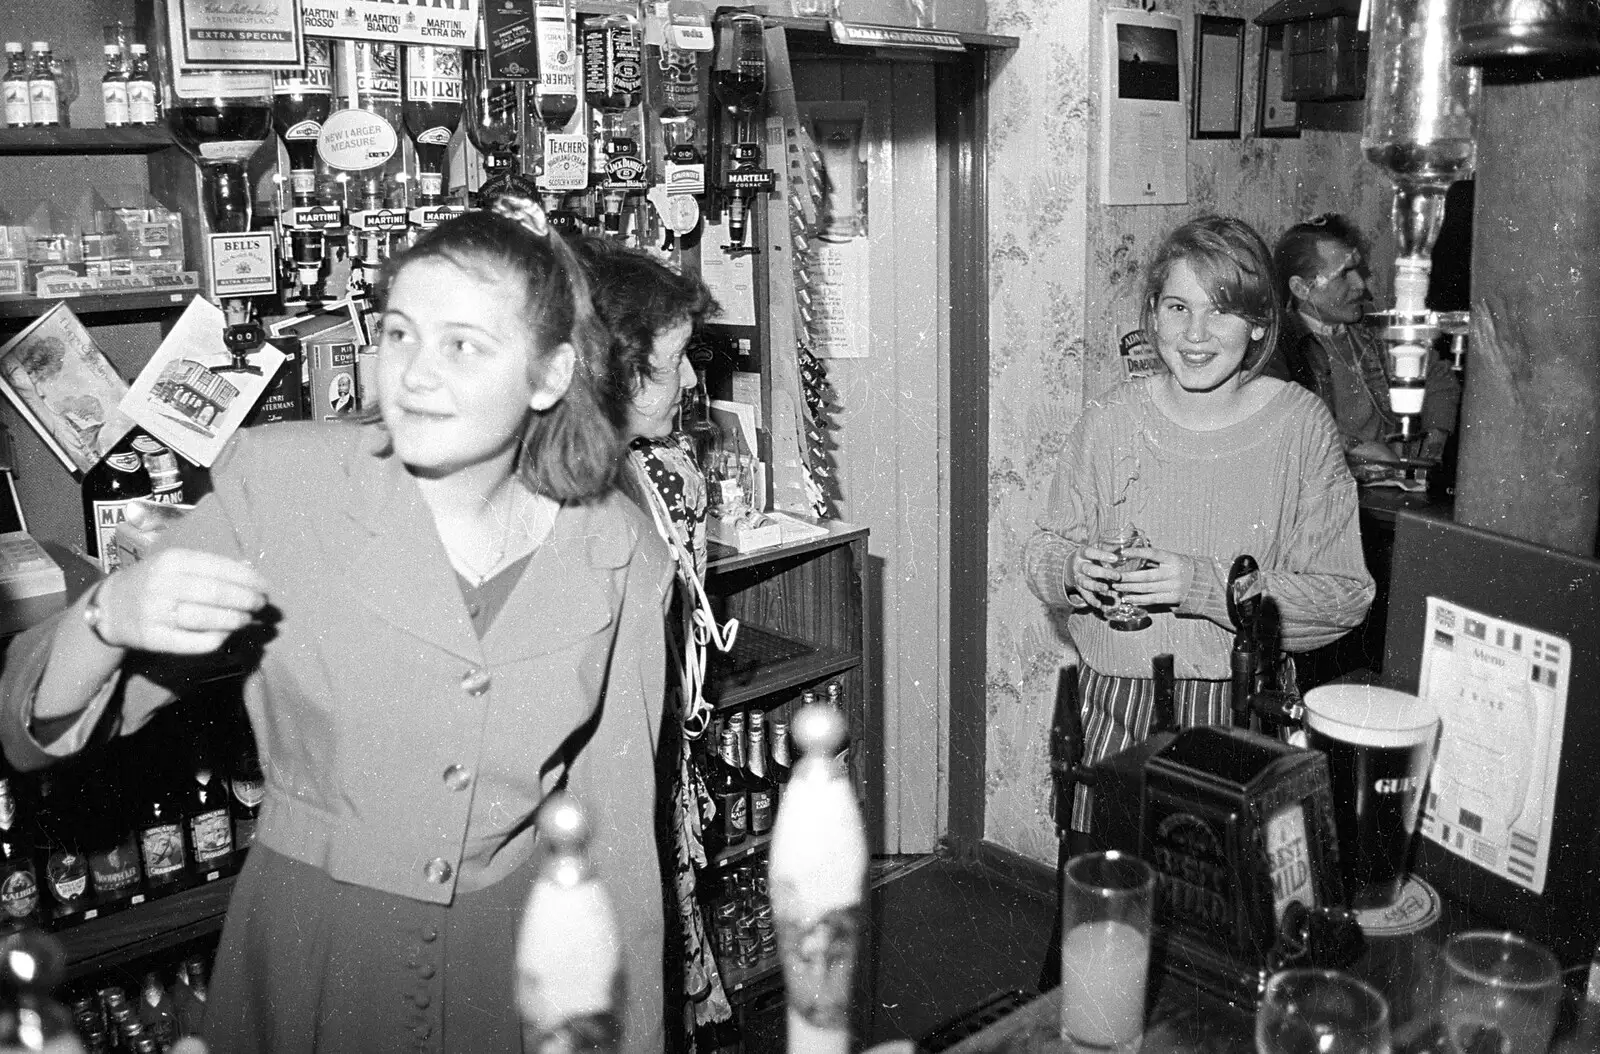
(962, 109)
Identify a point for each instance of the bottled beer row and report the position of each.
(165, 1005)
(141, 817)
(745, 770)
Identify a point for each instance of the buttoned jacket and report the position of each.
(402, 752)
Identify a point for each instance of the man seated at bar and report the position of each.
(1323, 345)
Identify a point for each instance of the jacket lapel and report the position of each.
(398, 566)
(565, 593)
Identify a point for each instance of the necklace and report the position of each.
(508, 520)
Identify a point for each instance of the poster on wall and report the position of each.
(448, 23)
(260, 35)
(1144, 131)
(839, 283)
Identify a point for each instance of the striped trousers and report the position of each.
(1117, 711)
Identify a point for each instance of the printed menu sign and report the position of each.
(1501, 690)
(449, 23)
(258, 34)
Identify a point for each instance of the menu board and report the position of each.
(1501, 690)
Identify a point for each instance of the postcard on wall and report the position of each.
(189, 395)
(1145, 131)
(62, 384)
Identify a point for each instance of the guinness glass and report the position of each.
(1380, 746)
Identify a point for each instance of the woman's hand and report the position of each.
(1093, 575)
(1163, 582)
(182, 602)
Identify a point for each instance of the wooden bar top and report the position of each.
(1187, 1021)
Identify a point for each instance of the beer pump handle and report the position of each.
(1066, 746)
(1164, 717)
(1244, 610)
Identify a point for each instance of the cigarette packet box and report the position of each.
(332, 391)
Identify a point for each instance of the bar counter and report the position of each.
(1184, 1020)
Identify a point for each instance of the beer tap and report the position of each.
(739, 80)
(1260, 702)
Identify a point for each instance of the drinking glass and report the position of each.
(1500, 995)
(1106, 910)
(1124, 615)
(1307, 1011)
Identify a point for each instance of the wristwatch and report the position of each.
(94, 614)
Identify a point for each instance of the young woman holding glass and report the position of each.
(1209, 460)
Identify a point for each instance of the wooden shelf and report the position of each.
(748, 683)
(144, 139)
(735, 980)
(138, 930)
(749, 847)
(98, 304)
(723, 560)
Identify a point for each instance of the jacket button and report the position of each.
(438, 871)
(430, 934)
(426, 971)
(457, 778)
(475, 681)
(422, 999)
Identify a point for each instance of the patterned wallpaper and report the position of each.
(1065, 272)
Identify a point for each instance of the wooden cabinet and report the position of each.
(802, 624)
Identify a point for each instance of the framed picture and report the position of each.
(1218, 77)
(1275, 117)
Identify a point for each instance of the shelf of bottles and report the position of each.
(130, 850)
(745, 777)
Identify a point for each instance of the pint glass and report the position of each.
(1380, 746)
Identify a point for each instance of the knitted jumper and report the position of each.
(1274, 485)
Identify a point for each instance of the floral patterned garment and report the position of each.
(668, 467)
